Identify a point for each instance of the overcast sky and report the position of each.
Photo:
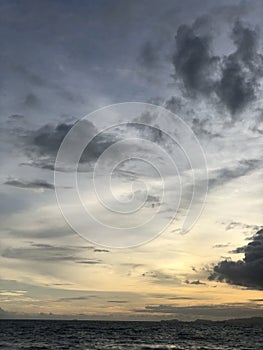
(60, 61)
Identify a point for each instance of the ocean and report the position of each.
(93, 335)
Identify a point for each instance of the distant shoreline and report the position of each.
(250, 321)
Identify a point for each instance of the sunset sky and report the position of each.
(61, 61)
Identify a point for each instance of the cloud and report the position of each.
(38, 81)
(149, 55)
(222, 311)
(224, 175)
(36, 185)
(221, 245)
(48, 253)
(43, 144)
(118, 301)
(11, 203)
(41, 232)
(193, 60)
(181, 298)
(233, 78)
(46, 140)
(12, 293)
(247, 272)
(196, 282)
(160, 277)
(32, 101)
(73, 299)
(241, 70)
(231, 12)
(234, 224)
(101, 250)
(17, 116)
(201, 128)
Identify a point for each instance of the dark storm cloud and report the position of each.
(36, 185)
(233, 78)
(241, 70)
(193, 60)
(247, 272)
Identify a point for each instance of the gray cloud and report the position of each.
(37, 184)
(48, 253)
(32, 101)
(17, 116)
(161, 277)
(234, 224)
(224, 175)
(193, 60)
(43, 144)
(11, 203)
(46, 232)
(195, 282)
(233, 78)
(181, 298)
(221, 245)
(201, 128)
(38, 81)
(70, 299)
(241, 70)
(101, 250)
(231, 12)
(149, 55)
(222, 311)
(45, 141)
(247, 272)
(118, 301)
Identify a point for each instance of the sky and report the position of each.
(171, 93)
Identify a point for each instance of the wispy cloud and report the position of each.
(35, 185)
